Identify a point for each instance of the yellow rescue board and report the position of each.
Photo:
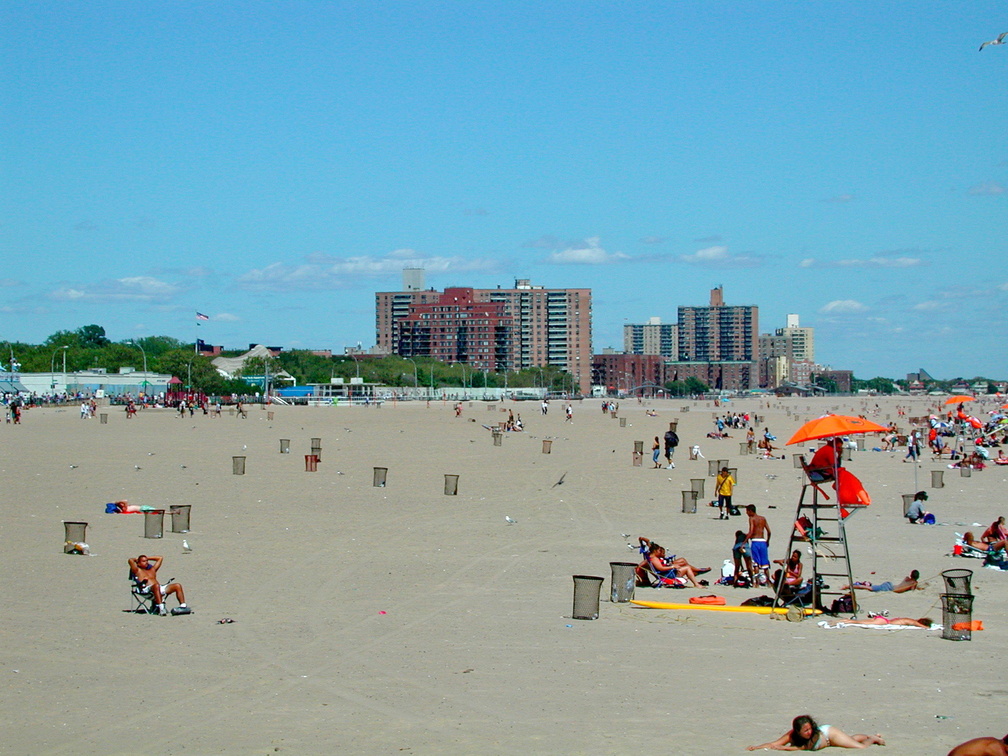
(713, 608)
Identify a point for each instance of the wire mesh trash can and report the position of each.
(965, 470)
(497, 436)
(104, 418)
(269, 415)
(697, 484)
(378, 480)
(587, 589)
(712, 468)
(733, 471)
(796, 460)
(937, 479)
(743, 448)
(689, 500)
(622, 422)
(316, 448)
(957, 582)
(638, 447)
(154, 523)
(451, 485)
(238, 465)
(957, 617)
(73, 534)
(285, 446)
(674, 424)
(180, 518)
(908, 500)
(547, 446)
(310, 463)
(621, 587)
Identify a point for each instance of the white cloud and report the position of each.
(225, 317)
(1004, 286)
(131, 289)
(895, 260)
(653, 240)
(588, 252)
(987, 189)
(321, 272)
(720, 256)
(843, 307)
(929, 306)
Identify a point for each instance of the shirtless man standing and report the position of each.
(144, 571)
(759, 543)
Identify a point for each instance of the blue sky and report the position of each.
(274, 164)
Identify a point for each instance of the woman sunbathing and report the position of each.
(924, 622)
(670, 567)
(806, 735)
(970, 540)
(996, 534)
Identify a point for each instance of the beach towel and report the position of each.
(846, 625)
(711, 600)
(973, 626)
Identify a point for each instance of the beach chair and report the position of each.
(650, 577)
(143, 597)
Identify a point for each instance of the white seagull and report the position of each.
(186, 548)
(999, 41)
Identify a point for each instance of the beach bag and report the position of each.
(759, 601)
(842, 605)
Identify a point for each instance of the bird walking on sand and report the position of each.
(999, 41)
(186, 548)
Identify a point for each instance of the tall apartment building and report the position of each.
(787, 354)
(547, 326)
(653, 337)
(719, 344)
(457, 328)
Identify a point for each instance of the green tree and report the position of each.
(92, 336)
(695, 386)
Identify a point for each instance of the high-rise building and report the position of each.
(653, 337)
(786, 354)
(719, 344)
(547, 326)
(456, 328)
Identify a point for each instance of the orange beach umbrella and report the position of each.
(958, 398)
(829, 426)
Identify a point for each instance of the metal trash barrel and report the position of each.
(937, 479)
(104, 418)
(689, 502)
(451, 485)
(269, 415)
(497, 436)
(908, 500)
(378, 479)
(316, 449)
(622, 422)
(697, 485)
(621, 587)
(238, 465)
(547, 445)
(154, 523)
(587, 589)
(957, 581)
(310, 463)
(957, 616)
(180, 518)
(965, 471)
(73, 533)
(733, 471)
(796, 460)
(743, 448)
(674, 424)
(285, 446)
(712, 468)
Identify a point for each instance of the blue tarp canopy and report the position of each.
(11, 387)
(295, 391)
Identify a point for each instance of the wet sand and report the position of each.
(400, 620)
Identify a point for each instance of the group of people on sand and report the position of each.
(808, 735)
(992, 540)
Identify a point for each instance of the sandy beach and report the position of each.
(401, 620)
